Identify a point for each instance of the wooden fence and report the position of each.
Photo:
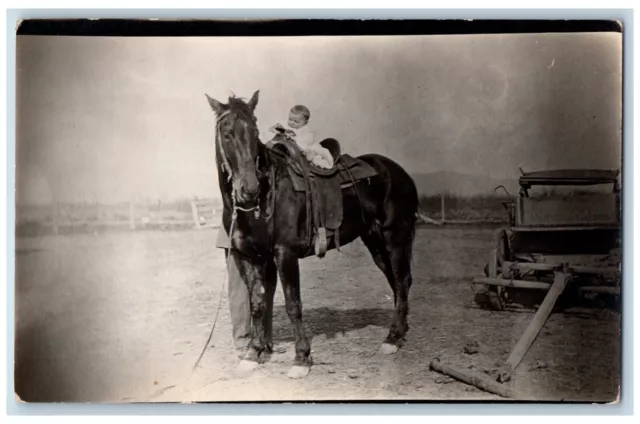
(134, 215)
(201, 214)
(460, 210)
(205, 214)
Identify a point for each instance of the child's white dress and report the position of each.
(315, 153)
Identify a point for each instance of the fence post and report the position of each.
(55, 217)
(132, 215)
(442, 213)
(194, 212)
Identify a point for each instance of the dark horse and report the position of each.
(266, 222)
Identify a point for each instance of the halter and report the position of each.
(225, 163)
(227, 168)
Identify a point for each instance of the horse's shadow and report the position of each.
(329, 322)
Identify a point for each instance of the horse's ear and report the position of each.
(253, 102)
(217, 107)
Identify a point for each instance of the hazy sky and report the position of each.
(110, 118)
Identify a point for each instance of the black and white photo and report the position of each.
(301, 218)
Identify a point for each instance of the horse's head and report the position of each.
(237, 143)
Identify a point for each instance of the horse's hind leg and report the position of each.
(376, 245)
(401, 269)
(395, 263)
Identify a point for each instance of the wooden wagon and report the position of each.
(564, 232)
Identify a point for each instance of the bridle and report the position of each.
(227, 169)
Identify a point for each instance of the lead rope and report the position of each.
(234, 215)
(215, 320)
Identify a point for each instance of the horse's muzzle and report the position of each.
(247, 190)
(246, 198)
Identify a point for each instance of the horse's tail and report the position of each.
(402, 192)
(410, 248)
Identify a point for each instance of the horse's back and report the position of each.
(392, 175)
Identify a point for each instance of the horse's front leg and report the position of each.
(255, 276)
(289, 271)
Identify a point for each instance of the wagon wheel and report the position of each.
(502, 243)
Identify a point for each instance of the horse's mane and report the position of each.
(238, 105)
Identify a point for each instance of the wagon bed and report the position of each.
(554, 240)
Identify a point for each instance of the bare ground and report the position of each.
(119, 317)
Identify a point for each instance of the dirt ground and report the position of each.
(119, 317)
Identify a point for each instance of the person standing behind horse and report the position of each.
(300, 131)
(238, 295)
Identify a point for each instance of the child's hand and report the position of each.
(289, 133)
(277, 128)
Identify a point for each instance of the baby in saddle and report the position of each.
(298, 130)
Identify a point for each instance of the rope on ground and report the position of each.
(215, 320)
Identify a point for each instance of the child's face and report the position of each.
(296, 121)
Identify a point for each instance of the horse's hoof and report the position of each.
(298, 371)
(388, 349)
(245, 366)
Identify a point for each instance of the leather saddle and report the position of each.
(323, 187)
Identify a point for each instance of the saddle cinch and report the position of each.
(323, 187)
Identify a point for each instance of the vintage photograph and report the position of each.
(319, 218)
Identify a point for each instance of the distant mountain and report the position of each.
(461, 184)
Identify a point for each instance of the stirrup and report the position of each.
(321, 242)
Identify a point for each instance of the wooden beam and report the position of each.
(534, 328)
(478, 380)
(504, 282)
(577, 269)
